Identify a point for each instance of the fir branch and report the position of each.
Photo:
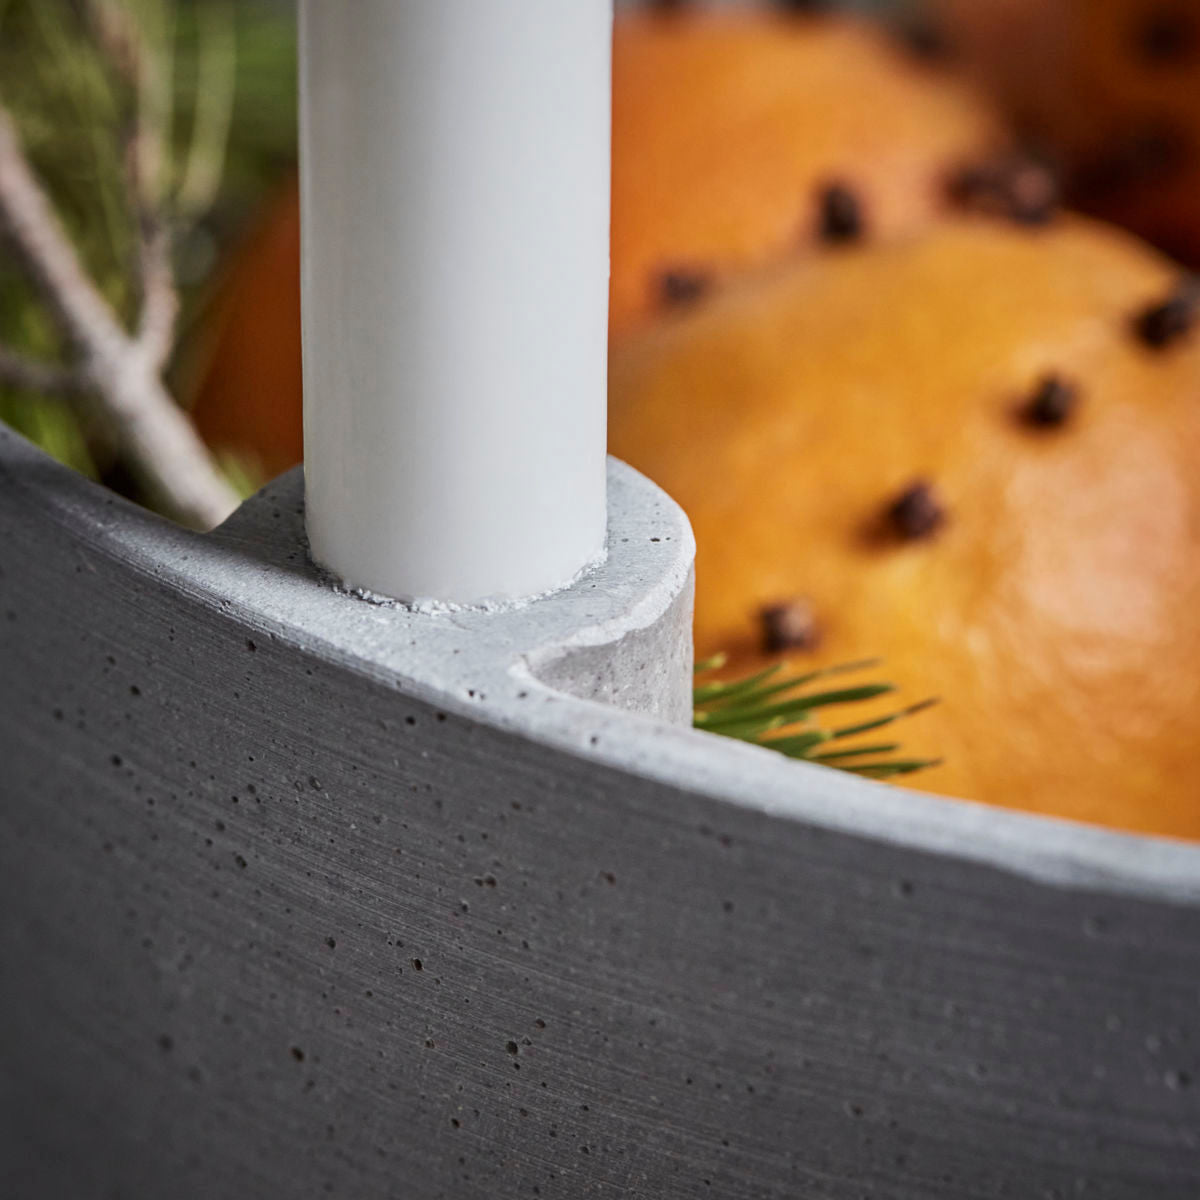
(758, 708)
(123, 44)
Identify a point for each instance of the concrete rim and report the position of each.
(1059, 852)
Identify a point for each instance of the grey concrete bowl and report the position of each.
(304, 897)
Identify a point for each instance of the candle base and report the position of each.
(431, 606)
(620, 632)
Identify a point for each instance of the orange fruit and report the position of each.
(1113, 86)
(730, 127)
(248, 395)
(973, 453)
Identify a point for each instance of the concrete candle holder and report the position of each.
(300, 896)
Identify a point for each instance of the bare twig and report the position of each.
(123, 45)
(155, 436)
(43, 378)
(148, 159)
(160, 301)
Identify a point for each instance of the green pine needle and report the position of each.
(883, 770)
(765, 709)
(795, 709)
(721, 692)
(867, 726)
(857, 752)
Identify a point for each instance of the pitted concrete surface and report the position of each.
(301, 897)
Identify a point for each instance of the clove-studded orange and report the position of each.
(1111, 86)
(248, 393)
(740, 137)
(972, 452)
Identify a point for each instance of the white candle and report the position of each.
(455, 181)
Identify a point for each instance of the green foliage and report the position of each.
(780, 712)
(221, 93)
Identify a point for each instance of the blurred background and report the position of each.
(1106, 92)
(215, 80)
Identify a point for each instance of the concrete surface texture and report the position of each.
(301, 897)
